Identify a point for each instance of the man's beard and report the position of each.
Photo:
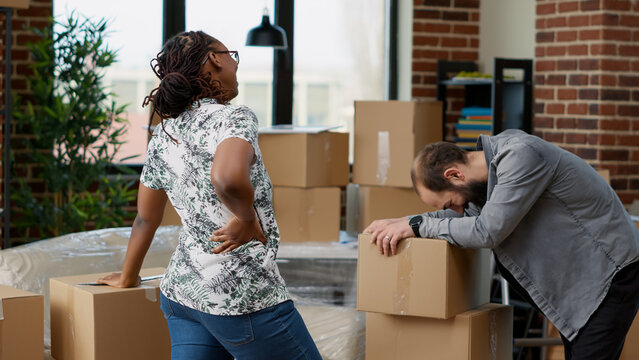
(475, 192)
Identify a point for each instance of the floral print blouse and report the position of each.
(246, 279)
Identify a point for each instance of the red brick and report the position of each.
(578, 80)
(540, 51)
(629, 20)
(539, 80)
(593, 109)
(427, 14)
(587, 153)
(23, 39)
(425, 40)
(567, 94)
(578, 20)
(474, 16)
(607, 139)
(567, 36)
(473, 4)
(616, 5)
(542, 122)
(590, 34)
(635, 66)
(565, 123)
(556, 50)
(635, 96)
(615, 95)
(615, 65)
(424, 66)
(607, 109)
(632, 140)
(635, 36)
(608, 80)
(620, 155)
(556, 80)
(578, 50)
(430, 54)
(545, 65)
(589, 5)
(577, 109)
(438, 3)
(538, 108)
(603, 49)
(33, 11)
(588, 124)
(540, 24)
(435, 28)
(453, 42)
(555, 108)
(566, 65)
(566, 6)
(542, 37)
(557, 22)
(554, 137)
(628, 110)
(546, 94)
(604, 19)
(629, 51)
(455, 15)
(589, 64)
(466, 29)
(575, 138)
(614, 34)
(588, 94)
(424, 93)
(464, 55)
(545, 9)
(614, 124)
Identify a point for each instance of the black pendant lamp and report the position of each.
(267, 35)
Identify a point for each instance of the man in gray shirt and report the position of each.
(558, 231)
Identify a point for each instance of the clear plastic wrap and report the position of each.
(320, 276)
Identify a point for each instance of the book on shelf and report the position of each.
(472, 134)
(476, 111)
(476, 127)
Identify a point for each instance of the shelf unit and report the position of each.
(513, 97)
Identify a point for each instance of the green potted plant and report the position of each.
(72, 130)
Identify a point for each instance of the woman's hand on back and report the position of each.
(237, 233)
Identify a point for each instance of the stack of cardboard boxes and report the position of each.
(426, 303)
(21, 324)
(388, 136)
(308, 171)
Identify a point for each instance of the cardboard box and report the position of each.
(21, 324)
(485, 333)
(427, 277)
(102, 322)
(307, 214)
(381, 202)
(388, 136)
(306, 160)
(18, 4)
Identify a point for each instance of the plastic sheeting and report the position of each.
(321, 277)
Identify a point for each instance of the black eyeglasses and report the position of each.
(233, 53)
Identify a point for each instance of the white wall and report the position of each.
(506, 29)
(405, 50)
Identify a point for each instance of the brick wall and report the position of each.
(37, 15)
(586, 84)
(446, 30)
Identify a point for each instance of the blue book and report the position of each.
(473, 127)
(476, 111)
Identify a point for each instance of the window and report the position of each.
(135, 29)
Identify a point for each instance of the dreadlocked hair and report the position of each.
(181, 83)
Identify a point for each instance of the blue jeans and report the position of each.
(277, 332)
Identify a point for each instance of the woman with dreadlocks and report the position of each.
(222, 294)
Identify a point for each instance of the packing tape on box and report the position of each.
(492, 331)
(1, 310)
(404, 276)
(383, 156)
(150, 293)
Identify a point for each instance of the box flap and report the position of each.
(290, 129)
(8, 292)
(79, 279)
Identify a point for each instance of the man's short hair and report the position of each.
(431, 162)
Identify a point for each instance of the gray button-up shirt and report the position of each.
(551, 220)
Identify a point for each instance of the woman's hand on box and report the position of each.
(117, 280)
(387, 233)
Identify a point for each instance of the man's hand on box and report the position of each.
(387, 233)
